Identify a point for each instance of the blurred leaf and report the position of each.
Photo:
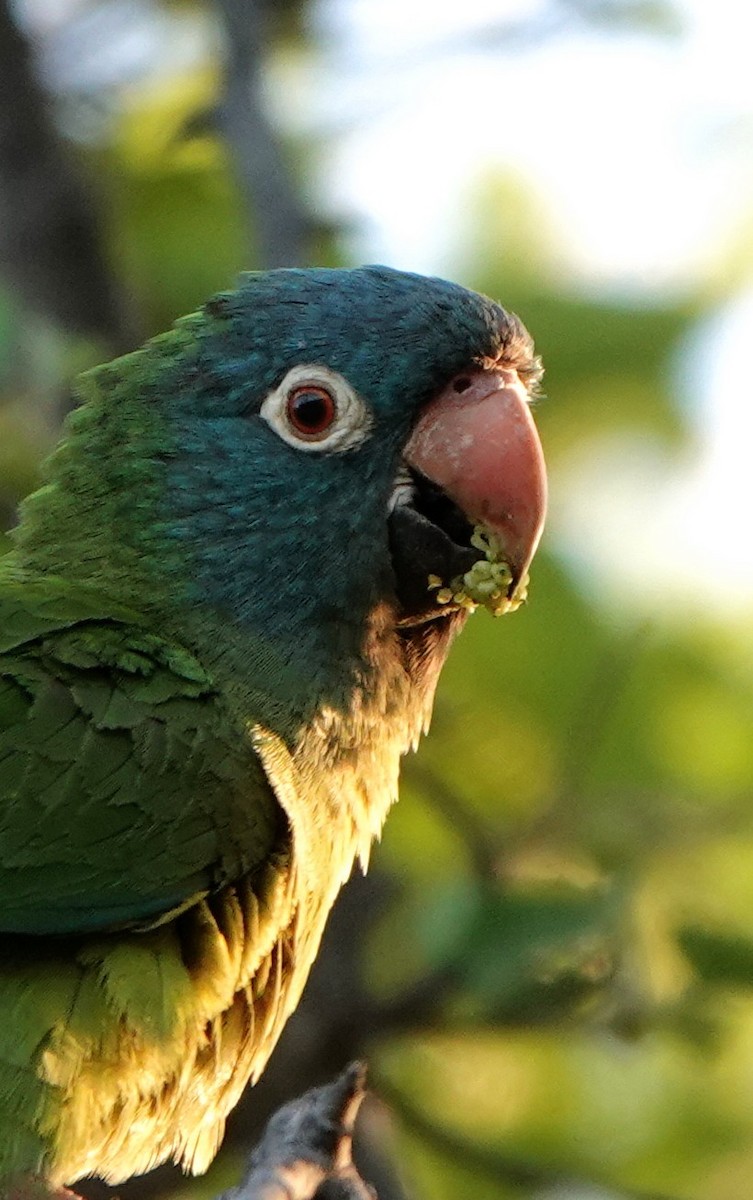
(498, 940)
(719, 958)
(650, 16)
(173, 214)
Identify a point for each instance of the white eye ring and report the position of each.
(351, 420)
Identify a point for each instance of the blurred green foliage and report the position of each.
(575, 843)
(176, 229)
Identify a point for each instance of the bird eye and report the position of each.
(311, 410)
(315, 409)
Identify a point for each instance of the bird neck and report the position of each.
(339, 774)
(354, 677)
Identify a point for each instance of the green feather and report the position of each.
(80, 803)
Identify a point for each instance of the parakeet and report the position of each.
(218, 636)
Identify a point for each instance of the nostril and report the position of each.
(461, 384)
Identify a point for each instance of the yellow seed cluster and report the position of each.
(486, 583)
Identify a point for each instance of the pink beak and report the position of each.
(478, 442)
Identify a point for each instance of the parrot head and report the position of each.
(306, 450)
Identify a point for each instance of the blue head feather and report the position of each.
(178, 495)
(263, 520)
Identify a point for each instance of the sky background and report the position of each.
(639, 143)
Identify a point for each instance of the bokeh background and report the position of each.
(550, 966)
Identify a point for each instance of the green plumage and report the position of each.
(131, 793)
(205, 691)
(112, 739)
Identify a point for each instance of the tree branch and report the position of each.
(275, 214)
(306, 1150)
(49, 240)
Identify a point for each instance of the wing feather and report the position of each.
(126, 789)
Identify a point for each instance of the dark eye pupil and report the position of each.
(311, 410)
